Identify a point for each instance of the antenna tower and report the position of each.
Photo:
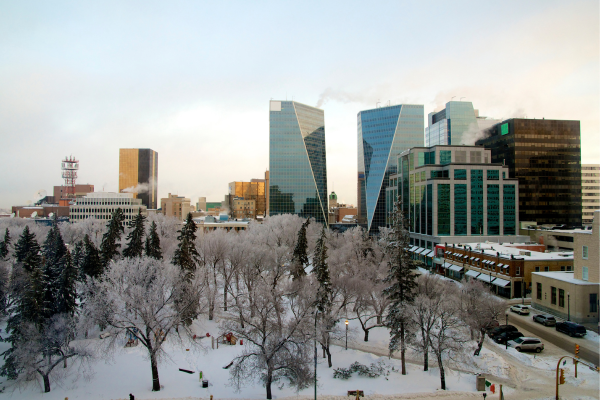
(69, 173)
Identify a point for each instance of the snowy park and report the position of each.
(97, 310)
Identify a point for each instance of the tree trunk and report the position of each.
(324, 354)
(402, 349)
(65, 363)
(268, 383)
(425, 350)
(46, 383)
(155, 381)
(378, 320)
(480, 342)
(366, 339)
(328, 357)
(442, 374)
(224, 299)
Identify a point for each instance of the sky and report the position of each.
(192, 80)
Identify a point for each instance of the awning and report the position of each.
(477, 259)
(500, 265)
(447, 252)
(500, 282)
(505, 266)
(419, 250)
(428, 253)
(484, 278)
(466, 256)
(456, 268)
(492, 262)
(472, 273)
(413, 248)
(446, 265)
(472, 258)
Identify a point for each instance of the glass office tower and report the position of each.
(457, 124)
(297, 161)
(545, 156)
(138, 174)
(383, 133)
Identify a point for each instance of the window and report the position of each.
(584, 273)
(546, 269)
(518, 272)
(539, 290)
(537, 269)
(593, 302)
(562, 268)
(585, 252)
(553, 295)
(445, 157)
(493, 175)
(460, 174)
(561, 298)
(569, 268)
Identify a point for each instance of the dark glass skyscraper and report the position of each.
(383, 133)
(297, 161)
(545, 155)
(138, 174)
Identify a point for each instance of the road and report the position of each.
(587, 350)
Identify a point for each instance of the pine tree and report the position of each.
(135, 238)
(27, 251)
(402, 279)
(91, 264)
(54, 251)
(186, 255)
(321, 271)
(66, 296)
(300, 257)
(109, 248)
(4, 245)
(77, 257)
(153, 243)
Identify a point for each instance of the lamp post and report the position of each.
(522, 291)
(346, 334)
(315, 354)
(506, 339)
(568, 306)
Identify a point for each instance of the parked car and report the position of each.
(503, 337)
(527, 343)
(501, 329)
(520, 309)
(545, 319)
(571, 328)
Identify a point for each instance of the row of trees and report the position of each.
(278, 285)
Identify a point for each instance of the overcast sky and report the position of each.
(192, 80)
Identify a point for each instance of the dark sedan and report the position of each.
(503, 337)
(501, 329)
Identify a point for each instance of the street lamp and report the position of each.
(522, 291)
(346, 334)
(506, 339)
(316, 311)
(568, 306)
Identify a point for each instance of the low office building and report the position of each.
(175, 206)
(573, 295)
(553, 239)
(209, 223)
(506, 267)
(243, 208)
(454, 194)
(101, 205)
(590, 187)
(254, 190)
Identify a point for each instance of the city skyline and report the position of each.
(87, 80)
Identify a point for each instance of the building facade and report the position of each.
(138, 174)
(545, 156)
(590, 186)
(80, 190)
(101, 206)
(253, 190)
(297, 161)
(175, 206)
(457, 124)
(383, 133)
(454, 194)
(243, 208)
(573, 295)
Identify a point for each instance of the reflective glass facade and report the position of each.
(383, 133)
(138, 174)
(297, 161)
(545, 156)
(447, 126)
(508, 202)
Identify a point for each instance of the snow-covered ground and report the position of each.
(129, 372)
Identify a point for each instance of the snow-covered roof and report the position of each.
(490, 249)
(565, 277)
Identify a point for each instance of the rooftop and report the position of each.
(565, 277)
(490, 249)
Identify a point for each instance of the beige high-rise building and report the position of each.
(138, 174)
(175, 206)
(590, 188)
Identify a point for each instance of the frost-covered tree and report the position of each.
(5, 244)
(111, 240)
(480, 309)
(135, 238)
(65, 298)
(402, 280)
(143, 295)
(55, 260)
(4, 272)
(152, 248)
(276, 338)
(215, 246)
(300, 256)
(91, 263)
(186, 255)
(27, 251)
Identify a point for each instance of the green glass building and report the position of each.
(297, 160)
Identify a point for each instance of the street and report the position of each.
(587, 350)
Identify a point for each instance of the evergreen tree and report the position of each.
(135, 238)
(300, 257)
(54, 251)
(27, 251)
(109, 248)
(30, 304)
(402, 279)
(321, 271)
(153, 243)
(91, 263)
(66, 295)
(77, 257)
(4, 245)
(186, 255)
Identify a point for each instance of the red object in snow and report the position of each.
(493, 388)
(207, 334)
(194, 337)
(241, 342)
(228, 337)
